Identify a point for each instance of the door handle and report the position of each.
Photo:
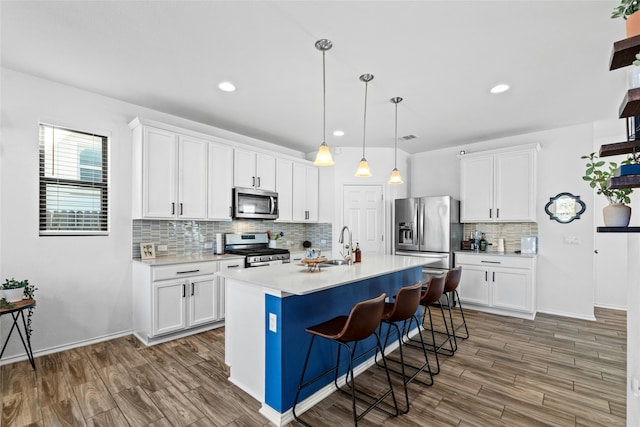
(184, 290)
(173, 208)
(494, 276)
(180, 208)
(497, 212)
(253, 183)
(486, 277)
(258, 182)
(490, 213)
(193, 288)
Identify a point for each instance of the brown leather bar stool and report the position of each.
(362, 322)
(451, 282)
(430, 296)
(404, 307)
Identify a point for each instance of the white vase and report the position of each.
(273, 244)
(616, 215)
(14, 295)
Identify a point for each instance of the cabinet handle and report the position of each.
(497, 212)
(494, 276)
(492, 262)
(486, 277)
(184, 289)
(490, 213)
(180, 208)
(188, 271)
(192, 288)
(230, 211)
(233, 266)
(298, 259)
(258, 182)
(173, 208)
(253, 181)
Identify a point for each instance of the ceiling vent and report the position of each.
(408, 137)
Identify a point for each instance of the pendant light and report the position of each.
(363, 167)
(395, 173)
(323, 158)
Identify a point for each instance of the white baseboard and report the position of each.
(611, 307)
(567, 314)
(57, 349)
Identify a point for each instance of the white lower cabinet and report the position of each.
(177, 300)
(222, 286)
(498, 283)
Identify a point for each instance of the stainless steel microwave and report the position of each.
(254, 204)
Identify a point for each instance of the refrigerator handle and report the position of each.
(421, 230)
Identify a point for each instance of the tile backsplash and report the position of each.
(510, 232)
(188, 238)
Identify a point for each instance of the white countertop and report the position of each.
(296, 279)
(494, 253)
(170, 260)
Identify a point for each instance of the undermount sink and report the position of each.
(334, 262)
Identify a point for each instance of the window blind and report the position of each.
(73, 182)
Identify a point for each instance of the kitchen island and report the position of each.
(269, 308)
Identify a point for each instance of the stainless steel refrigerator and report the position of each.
(428, 227)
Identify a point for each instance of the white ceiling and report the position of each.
(440, 56)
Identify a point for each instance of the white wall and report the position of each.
(84, 282)
(565, 286)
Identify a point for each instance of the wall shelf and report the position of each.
(618, 148)
(630, 104)
(624, 52)
(626, 181)
(618, 229)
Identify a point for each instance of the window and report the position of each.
(73, 182)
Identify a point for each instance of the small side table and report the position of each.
(16, 312)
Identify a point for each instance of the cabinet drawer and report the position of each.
(495, 261)
(183, 270)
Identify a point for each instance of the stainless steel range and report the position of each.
(255, 248)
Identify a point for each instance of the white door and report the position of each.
(193, 178)
(515, 186)
(363, 214)
(284, 188)
(169, 306)
(476, 189)
(220, 181)
(159, 174)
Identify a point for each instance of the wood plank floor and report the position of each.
(551, 371)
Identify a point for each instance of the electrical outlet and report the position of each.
(273, 322)
(323, 241)
(162, 248)
(208, 245)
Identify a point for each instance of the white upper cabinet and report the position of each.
(254, 170)
(305, 193)
(192, 179)
(284, 188)
(220, 181)
(499, 186)
(170, 175)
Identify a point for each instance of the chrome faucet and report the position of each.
(349, 246)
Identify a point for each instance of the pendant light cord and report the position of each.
(324, 102)
(395, 157)
(364, 130)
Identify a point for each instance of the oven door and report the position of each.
(265, 263)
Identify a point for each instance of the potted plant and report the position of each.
(627, 9)
(597, 174)
(14, 290)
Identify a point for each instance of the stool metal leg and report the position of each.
(464, 321)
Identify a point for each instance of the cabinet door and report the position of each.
(511, 289)
(159, 174)
(244, 168)
(473, 287)
(311, 193)
(266, 172)
(220, 181)
(203, 300)
(476, 189)
(284, 188)
(299, 189)
(168, 310)
(192, 179)
(222, 291)
(515, 186)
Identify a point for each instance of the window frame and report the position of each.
(104, 186)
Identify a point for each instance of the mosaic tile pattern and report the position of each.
(188, 238)
(510, 232)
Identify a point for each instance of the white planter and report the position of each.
(273, 244)
(13, 295)
(616, 215)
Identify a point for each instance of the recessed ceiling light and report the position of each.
(338, 133)
(227, 87)
(500, 88)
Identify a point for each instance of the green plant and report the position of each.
(625, 8)
(597, 177)
(14, 284)
(29, 290)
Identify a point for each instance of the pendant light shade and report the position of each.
(323, 158)
(363, 167)
(395, 173)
